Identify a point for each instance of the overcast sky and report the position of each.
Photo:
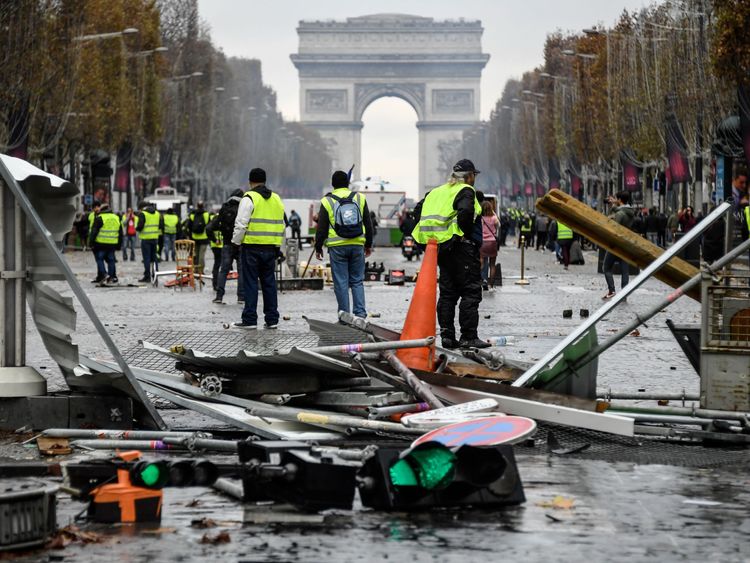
(514, 34)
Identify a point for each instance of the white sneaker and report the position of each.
(270, 327)
(244, 326)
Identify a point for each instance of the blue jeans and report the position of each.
(258, 264)
(128, 241)
(607, 265)
(148, 249)
(168, 246)
(230, 253)
(108, 256)
(348, 269)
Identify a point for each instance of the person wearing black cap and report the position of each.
(223, 223)
(259, 228)
(448, 214)
(345, 226)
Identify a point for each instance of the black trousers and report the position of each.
(460, 278)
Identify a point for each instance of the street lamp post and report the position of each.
(97, 36)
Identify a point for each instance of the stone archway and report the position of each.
(435, 66)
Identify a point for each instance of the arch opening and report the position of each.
(390, 144)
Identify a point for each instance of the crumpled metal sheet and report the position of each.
(55, 319)
(247, 362)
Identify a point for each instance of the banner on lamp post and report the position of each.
(743, 98)
(677, 151)
(631, 172)
(123, 170)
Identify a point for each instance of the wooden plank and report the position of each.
(619, 240)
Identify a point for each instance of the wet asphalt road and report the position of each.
(620, 511)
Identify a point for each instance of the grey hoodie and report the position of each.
(623, 214)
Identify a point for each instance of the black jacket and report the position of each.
(224, 220)
(321, 231)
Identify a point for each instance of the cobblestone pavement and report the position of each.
(621, 511)
(533, 313)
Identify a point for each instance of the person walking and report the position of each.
(345, 227)
(651, 224)
(105, 240)
(686, 219)
(564, 238)
(129, 223)
(623, 214)
(447, 214)
(196, 227)
(490, 245)
(259, 228)
(150, 226)
(525, 231)
(541, 231)
(171, 222)
(295, 223)
(223, 225)
(216, 243)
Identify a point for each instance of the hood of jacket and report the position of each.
(625, 215)
(263, 190)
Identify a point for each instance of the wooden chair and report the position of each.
(185, 274)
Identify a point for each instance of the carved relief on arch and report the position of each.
(365, 94)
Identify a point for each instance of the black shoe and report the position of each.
(485, 287)
(144, 280)
(112, 280)
(448, 343)
(218, 301)
(473, 343)
(97, 279)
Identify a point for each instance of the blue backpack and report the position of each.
(347, 217)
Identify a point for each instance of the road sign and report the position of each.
(88, 199)
(484, 432)
(448, 415)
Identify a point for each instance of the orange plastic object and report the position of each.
(421, 317)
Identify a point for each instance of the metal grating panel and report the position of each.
(638, 449)
(728, 320)
(229, 343)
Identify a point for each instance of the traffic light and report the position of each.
(285, 471)
(136, 496)
(432, 475)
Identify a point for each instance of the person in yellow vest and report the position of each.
(171, 221)
(106, 239)
(564, 237)
(129, 224)
(259, 229)
(216, 241)
(196, 227)
(447, 214)
(150, 227)
(345, 227)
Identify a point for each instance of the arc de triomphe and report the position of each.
(435, 66)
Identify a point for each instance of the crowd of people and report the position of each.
(248, 231)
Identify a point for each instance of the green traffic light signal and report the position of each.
(149, 474)
(431, 466)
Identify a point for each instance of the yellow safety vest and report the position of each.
(219, 239)
(203, 235)
(526, 225)
(747, 217)
(564, 232)
(150, 226)
(328, 203)
(266, 224)
(439, 220)
(110, 231)
(92, 217)
(170, 223)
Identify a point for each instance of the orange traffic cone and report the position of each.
(420, 320)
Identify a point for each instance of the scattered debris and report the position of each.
(221, 537)
(558, 503)
(203, 523)
(73, 534)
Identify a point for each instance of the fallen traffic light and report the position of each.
(433, 475)
(136, 495)
(286, 472)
